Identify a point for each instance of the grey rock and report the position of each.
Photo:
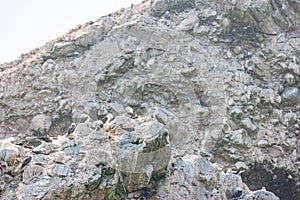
(231, 64)
(261, 194)
(202, 30)
(188, 23)
(159, 7)
(248, 125)
(289, 79)
(207, 13)
(41, 123)
(60, 170)
(145, 152)
(289, 119)
(237, 113)
(32, 173)
(200, 177)
(239, 137)
(241, 166)
(295, 67)
(290, 96)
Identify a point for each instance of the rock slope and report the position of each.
(123, 158)
(221, 77)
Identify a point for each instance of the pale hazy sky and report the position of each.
(27, 24)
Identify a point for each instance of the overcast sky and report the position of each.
(27, 24)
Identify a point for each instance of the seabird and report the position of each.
(71, 128)
(130, 129)
(26, 162)
(107, 118)
(204, 154)
(58, 162)
(160, 120)
(98, 125)
(24, 145)
(131, 113)
(46, 139)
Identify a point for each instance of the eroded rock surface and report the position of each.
(88, 163)
(114, 161)
(221, 77)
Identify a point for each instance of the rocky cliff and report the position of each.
(169, 99)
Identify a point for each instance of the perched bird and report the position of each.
(131, 113)
(107, 118)
(129, 129)
(24, 145)
(98, 125)
(159, 119)
(26, 162)
(205, 155)
(71, 128)
(46, 139)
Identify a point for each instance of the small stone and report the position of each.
(262, 143)
(277, 114)
(206, 13)
(226, 128)
(295, 67)
(60, 170)
(117, 107)
(289, 79)
(241, 166)
(290, 96)
(238, 136)
(225, 25)
(289, 119)
(237, 50)
(201, 30)
(248, 125)
(237, 114)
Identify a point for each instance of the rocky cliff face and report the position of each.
(213, 92)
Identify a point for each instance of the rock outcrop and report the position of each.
(122, 158)
(217, 81)
(91, 162)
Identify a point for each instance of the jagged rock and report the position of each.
(248, 125)
(225, 84)
(193, 177)
(159, 7)
(202, 30)
(32, 173)
(141, 152)
(295, 67)
(290, 96)
(188, 23)
(241, 166)
(60, 170)
(135, 154)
